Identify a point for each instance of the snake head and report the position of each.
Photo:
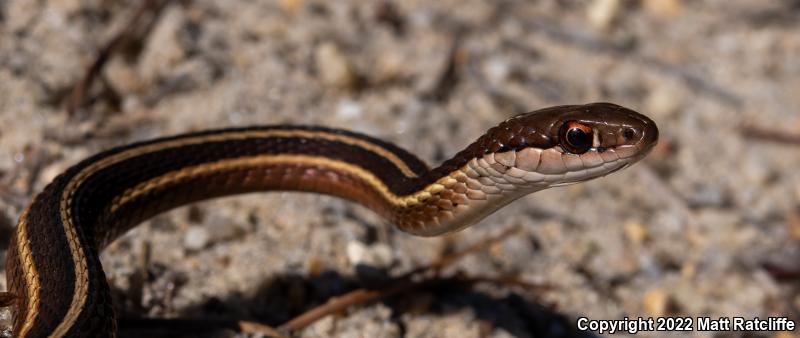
(600, 127)
(569, 144)
(534, 151)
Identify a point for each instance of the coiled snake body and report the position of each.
(53, 266)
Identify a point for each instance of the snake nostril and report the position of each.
(628, 134)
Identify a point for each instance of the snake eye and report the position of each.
(576, 138)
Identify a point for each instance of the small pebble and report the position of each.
(321, 328)
(635, 232)
(756, 173)
(291, 6)
(374, 321)
(664, 100)
(221, 228)
(235, 117)
(335, 69)
(664, 8)
(793, 224)
(688, 270)
(163, 49)
(655, 302)
(497, 70)
(66, 6)
(122, 76)
(315, 266)
(51, 171)
(132, 104)
(696, 238)
(797, 192)
(348, 109)
(19, 14)
(602, 13)
(707, 195)
(196, 238)
(378, 255)
(390, 66)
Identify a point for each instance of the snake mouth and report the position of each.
(539, 168)
(605, 169)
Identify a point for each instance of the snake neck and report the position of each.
(460, 193)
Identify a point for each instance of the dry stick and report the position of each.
(364, 296)
(78, 95)
(264, 330)
(780, 273)
(507, 281)
(770, 135)
(338, 304)
(448, 76)
(401, 284)
(449, 259)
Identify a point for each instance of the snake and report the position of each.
(57, 287)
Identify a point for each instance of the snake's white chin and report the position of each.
(487, 183)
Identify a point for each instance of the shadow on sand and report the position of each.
(283, 297)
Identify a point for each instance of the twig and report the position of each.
(140, 276)
(770, 135)
(448, 77)
(781, 273)
(334, 305)
(338, 304)
(451, 258)
(401, 284)
(258, 328)
(364, 296)
(507, 281)
(78, 95)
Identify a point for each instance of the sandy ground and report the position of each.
(708, 225)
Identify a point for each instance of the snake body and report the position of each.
(53, 266)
